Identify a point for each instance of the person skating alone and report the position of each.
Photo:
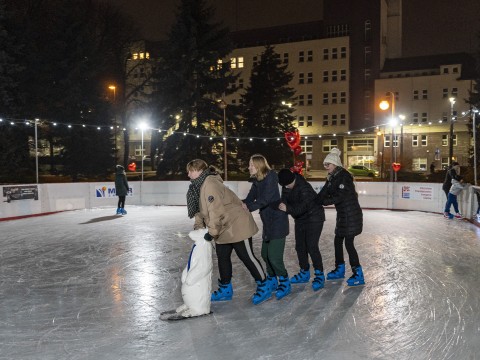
(121, 189)
(339, 190)
(297, 200)
(455, 190)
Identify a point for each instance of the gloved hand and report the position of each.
(208, 237)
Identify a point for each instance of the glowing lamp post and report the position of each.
(450, 143)
(385, 105)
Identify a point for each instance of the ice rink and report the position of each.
(91, 285)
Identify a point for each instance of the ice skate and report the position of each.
(302, 277)
(337, 273)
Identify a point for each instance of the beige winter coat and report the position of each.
(222, 213)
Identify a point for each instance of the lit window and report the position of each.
(240, 62)
(419, 164)
(142, 55)
(233, 63)
(135, 56)
(444, 140)
(424, 140)
(147, 55)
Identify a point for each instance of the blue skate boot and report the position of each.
(224, 292)
(337, 273)
(357, 277)
(302, 277)
(262, 294)
(318, 281)
(272, 283)
(119, 211)
(284, 287)
(124, 212)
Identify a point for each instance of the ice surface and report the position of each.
(91, 285)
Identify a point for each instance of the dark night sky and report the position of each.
(429, 26)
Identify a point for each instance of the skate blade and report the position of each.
(174, 316)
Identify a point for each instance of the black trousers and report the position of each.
(307, 236)
(244, 251)
(121, 202)
(352, 252)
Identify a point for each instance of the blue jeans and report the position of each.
(451, 200)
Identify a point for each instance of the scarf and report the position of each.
(193, 193)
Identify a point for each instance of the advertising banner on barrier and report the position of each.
(417, 192)
(108, 192)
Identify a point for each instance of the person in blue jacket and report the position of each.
(263, 193)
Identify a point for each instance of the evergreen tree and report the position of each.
(190, 80)
(267, 105)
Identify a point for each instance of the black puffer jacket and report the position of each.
(339, 190)
(261, 195)
(300, 202)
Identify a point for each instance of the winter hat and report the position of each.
(285, 177)
(334, 157)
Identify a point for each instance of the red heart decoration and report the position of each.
(292, 138)
(297, 151)
(132, 166)
(396, 166)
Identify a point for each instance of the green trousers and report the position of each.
(272, 254)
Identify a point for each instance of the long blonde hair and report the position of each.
(261, 164)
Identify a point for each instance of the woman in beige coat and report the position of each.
(217, 208)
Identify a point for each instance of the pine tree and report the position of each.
(190, 81)
(267, 105)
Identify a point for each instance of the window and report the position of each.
(255, 60)
(307, 146)
(415, 118)
(342, 119)
(301, 121)
(325, 54)
(309, 55)
(301, 56)
(309, 120)
(424, 118)
(424, 94)
(334, 98)
(454, 92)
(334, 75)
(325, 99)
(454, 139)
(360, 145)
(455, 70)
(301, 78)
(444, 162)
(368, 28)
(310, 78)
(445, 93)
(445, 70)
(368, 55)
(343, 52)
(395, 140)
(138, 150)
(386, 141)
(329, 145)
(301, 100)
(309, 99)
(415, 94)
(419, 164)
(424, 140)
(343, 97)
(325, 76)
(334, 120)
(325, 120)
(240, 83)
(285, 58)
(444, 140)
(367, 75)
(334, 53)
(414, 140)
(343, 75)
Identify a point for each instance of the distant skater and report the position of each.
(121, 189)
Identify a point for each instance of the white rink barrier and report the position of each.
(32, 199)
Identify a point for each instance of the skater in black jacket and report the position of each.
(339, 190)
(297, 200)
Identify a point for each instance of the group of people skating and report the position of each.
(231, 226)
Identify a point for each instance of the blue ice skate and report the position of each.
(124, 212)
(302, 277)
(337, 273)
(224, 292)
(272, 283)
(357, 277)
(119, 211)
(262, 294)
(318, 281)
(284, 287)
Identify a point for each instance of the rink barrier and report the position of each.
(32, 199)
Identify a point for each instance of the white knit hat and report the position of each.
(334, 157)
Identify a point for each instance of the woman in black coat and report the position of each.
(339, 190)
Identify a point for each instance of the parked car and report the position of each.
(360, 170)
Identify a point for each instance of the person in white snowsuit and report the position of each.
(197, 277)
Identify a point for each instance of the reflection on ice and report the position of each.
(86, 285)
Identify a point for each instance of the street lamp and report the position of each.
(384, 105)
(114, 89)
(142, 127)
(223, 105)
(450, 144)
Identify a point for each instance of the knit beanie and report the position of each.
(285, 177)
(334, 157)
